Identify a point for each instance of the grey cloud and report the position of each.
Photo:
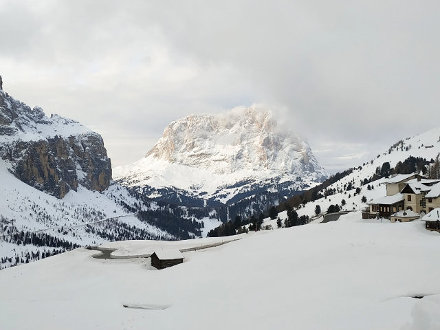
(362, 73)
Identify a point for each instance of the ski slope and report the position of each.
(349, 274)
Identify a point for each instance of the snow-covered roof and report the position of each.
(406, 214)
(417, 186)
(168, 254)
(430, 181)
(434, 215)
(424, 181)
(388, 200)
(434, 192)
(399, 177)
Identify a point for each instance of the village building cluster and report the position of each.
(408, 197)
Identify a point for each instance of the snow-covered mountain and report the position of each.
(56, 191)
(224, 159)
(51, 154)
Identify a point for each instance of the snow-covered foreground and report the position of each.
(349, 274)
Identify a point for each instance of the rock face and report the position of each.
(242, 139)
(239, 160)
(51, 154)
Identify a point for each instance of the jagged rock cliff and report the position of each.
(51, 154)
(229, 158)
(242, 139)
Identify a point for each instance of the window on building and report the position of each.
(409, 198)
(429, 200)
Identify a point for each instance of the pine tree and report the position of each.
(279, 225)
(260, 221)
(317, 209)
(237, 221)
(292, 218)
(434, 169)
(273, 213)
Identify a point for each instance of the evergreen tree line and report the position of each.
(177, 226)
(26, 257)
(293, 219)
(434, 168)
(119, 231)
(313, 193)
(230, 228)
(38, 239)
(238, 226)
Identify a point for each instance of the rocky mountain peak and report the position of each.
(238, 157)
(243, 138)
(53, 154)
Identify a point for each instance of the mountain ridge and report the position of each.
(219, 156)
(53, 154)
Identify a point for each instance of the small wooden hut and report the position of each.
(166, 258)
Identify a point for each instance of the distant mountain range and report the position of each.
(57, 191)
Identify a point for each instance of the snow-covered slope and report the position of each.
(56, 190)
(425, 145)
(34, 224)
(220, 157)
(350, 274)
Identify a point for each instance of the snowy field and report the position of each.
(349, 274)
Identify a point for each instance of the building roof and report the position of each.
(406, 214)
(416, 187)
(168, 254)
(430, 182)
(399, 178)
(434, 215)
(388, 200)
(427, 182)
(434, 192)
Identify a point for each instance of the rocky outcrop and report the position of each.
(241, 154)
(241, 139)
(51, 154)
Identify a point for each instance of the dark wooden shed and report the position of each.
(166, 258)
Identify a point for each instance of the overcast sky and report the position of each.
(351, 77)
